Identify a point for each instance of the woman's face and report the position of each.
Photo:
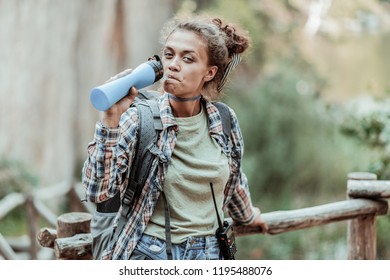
(185, 64)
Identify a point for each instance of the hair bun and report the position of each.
(229, 30)
(237, 40)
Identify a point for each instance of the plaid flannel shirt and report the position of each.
(110, 154)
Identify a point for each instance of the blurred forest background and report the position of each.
(312, 97)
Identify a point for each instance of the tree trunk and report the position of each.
(52, 53)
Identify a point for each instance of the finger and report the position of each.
(132, 93)
(265, 228)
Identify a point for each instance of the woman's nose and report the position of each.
(174, 64)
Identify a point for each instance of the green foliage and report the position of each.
(383, 228)
(295, 156)
(368, 123)
(15, 223)
(371, 128)
(291, 140)
(253, 20)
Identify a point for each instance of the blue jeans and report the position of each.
(194, 248)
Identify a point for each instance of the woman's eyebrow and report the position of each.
(181, 51)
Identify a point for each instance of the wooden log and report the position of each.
(13, 200)
(46, 237)
(77, 247)
(362, 176)
(21, 243)
(73, 223)
(10, 202)
(361, 238)
(6, 250)
(368, 189)
(361, 232)
(32, 222)
(289, 220)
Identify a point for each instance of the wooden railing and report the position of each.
(36, 210)
(366, 199)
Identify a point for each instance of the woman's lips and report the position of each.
(171, 78)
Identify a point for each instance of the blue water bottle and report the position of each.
(146, 74)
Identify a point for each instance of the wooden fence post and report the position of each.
(74, 239)
(361, 233)
(32, 220)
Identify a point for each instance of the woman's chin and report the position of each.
(169, 88)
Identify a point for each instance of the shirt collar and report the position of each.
(167, 117)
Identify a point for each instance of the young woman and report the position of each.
(197, 57)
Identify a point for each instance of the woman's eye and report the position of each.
(168, 55)
(188, 59)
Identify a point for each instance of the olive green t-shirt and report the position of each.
(196, 161)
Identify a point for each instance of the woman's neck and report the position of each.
(185, 109)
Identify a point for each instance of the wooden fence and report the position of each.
(366, 199)
(36, 210)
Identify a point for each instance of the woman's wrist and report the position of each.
(110, 121)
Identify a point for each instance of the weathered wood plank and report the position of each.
(6, 250)
(361, 233)
(13, 200)
(10, 202)
(289, 220)
(361, 238)
(368, 189)
(46, 237)
(77, 247)
(362, 176)
(20, 243)
(32, 223)
(73, 223)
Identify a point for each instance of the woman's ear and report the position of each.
(211, 73)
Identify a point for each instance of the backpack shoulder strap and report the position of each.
(226, 118)
(149, 128)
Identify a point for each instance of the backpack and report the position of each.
(149, 128)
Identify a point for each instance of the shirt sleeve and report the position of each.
(109, 155)
(240, 206)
